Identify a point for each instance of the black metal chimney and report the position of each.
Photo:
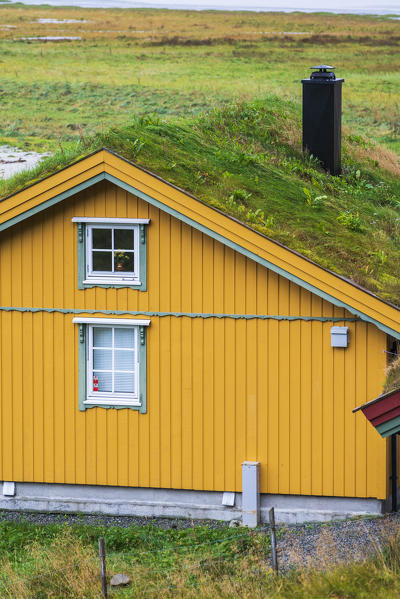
(322, 117)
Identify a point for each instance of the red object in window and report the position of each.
(95, 383)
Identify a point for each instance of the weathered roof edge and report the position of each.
(296, 254)
(373, 401)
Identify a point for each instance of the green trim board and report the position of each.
(82, 384)
(177, 314)
(81, 253)
(55, 200)
(81, 267)
(82, 367)
(205, 230)
(386, 429)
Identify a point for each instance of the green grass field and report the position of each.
(60, 561)
(175, 63)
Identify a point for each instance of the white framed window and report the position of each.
(112, 360)
(112, 364)
(112, 252)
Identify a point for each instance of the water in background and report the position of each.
(377, 7)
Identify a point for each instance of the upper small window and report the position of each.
(112, 252)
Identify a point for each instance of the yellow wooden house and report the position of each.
(159, 357)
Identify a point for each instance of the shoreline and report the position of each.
(288, 7)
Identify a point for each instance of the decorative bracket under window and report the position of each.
(142, 335)
(82, 328)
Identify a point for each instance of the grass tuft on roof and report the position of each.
(245, 158)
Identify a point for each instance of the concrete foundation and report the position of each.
(91, 499)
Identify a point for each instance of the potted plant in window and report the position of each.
(122, 260)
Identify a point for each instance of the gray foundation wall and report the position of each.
(290, 509)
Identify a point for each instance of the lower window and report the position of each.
(112, 363)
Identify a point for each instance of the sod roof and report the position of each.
(246, 159)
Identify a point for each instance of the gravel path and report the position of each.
(305, 545)
(99, 520)
(313, 545)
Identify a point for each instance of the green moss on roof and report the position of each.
(246, 159)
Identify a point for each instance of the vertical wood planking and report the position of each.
(331, 396)
(361, 397)
(284, 389)
(207, 275)
(350, 463)
(240, 372)
(231, 457)
(154, 384)
(316, 394)
(165, 349)
(250, 358)
(198, 354)
(294, 386)
(176, 356)
(273, 385)
(27, 358)
(262, 375)
(187, 370)
(338, 421)
(16, 319)
(218, 368)
(70, 378)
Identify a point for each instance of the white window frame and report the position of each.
(107, 398)
(106, 276)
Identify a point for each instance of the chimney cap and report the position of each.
(322, 67)
(323, 74)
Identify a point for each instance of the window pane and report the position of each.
(123, 262)
(124, 359)
(102, 337)
(101, 238)
(124, 382)
(123, 239)
(104, 381)
(102, 261)
(102, 359)
(124, 338)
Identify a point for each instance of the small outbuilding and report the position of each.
(161, 358)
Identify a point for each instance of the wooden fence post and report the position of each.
(103, 573)
(273, 540)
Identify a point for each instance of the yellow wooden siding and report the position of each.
(220, 391)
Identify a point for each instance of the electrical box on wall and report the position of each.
(339, 336)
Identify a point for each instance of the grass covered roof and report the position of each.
(246, 159)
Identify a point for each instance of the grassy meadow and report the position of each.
(177, 63)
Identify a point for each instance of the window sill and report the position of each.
(112, 401)
(109, 404)
(113, 281)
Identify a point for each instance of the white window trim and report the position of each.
(112, 321)
(106, 397)
(105, 278)
(111, 221)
